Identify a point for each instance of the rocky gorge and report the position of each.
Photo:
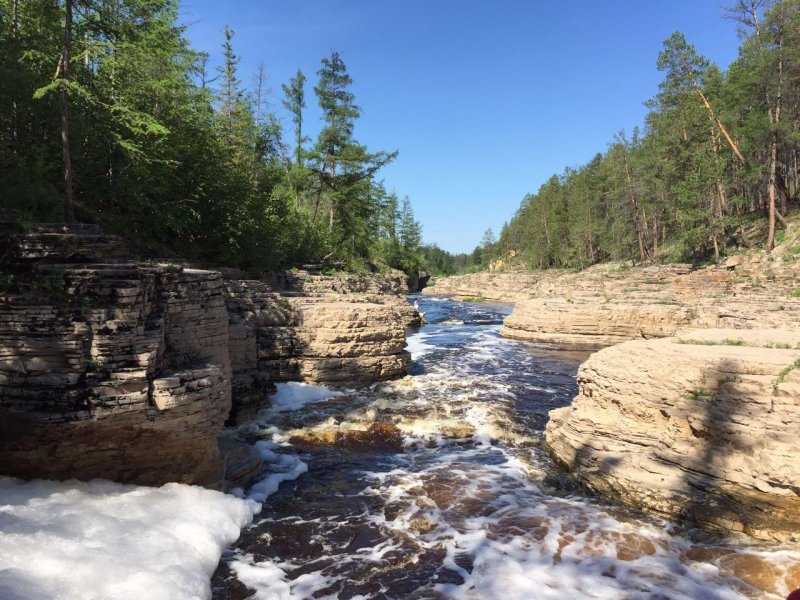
(690, 408)
(128, 371)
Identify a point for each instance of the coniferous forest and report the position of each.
(719, 150)
(108, 116)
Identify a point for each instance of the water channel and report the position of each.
(452, 495)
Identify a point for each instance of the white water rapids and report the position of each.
(468, 505)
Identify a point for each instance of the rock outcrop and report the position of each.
(585, 325)
(702, 427)
(113, 370)
(607, 304)
(346, 330)
(500, 287)
(128, 371)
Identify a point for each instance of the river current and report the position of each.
(451, 494)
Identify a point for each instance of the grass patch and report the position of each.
(473, 299)
(783, 373)
(722, 342)
(94, 364)
(795, 293)
(699, 393)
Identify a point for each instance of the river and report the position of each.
(453, 496)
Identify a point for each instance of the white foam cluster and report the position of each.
(293, 395)
(269, 581)
(102, 540)
(280, 467)
(416, 345)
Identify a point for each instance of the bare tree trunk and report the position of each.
(316, 207)
(774, 118)
(69, 204)
(260, 78)
(14, 107)
(635, 206)
(655, 238)
(718, 122)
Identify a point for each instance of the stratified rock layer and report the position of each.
(608, 304)
(704, 430)
(348, 330)
(125, 371)
(118, 371)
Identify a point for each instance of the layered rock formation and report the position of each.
(346, 329)
(702, 427)
(128, 371)
(607, 304)
(112, 370)
(585, 325)
(500, 287)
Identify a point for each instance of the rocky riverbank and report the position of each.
(608, 304)
(691, 408)
(702, 427)
(128, 371)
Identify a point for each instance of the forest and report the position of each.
(718, 156)
(108, 116)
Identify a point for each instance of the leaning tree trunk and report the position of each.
(69, 204)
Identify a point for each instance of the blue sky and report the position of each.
(484, 99)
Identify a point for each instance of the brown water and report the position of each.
(435, 486)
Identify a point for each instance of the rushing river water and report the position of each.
(452, 496)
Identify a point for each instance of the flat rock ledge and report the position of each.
(608, 304)
(703, 427)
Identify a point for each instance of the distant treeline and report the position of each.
(719, 150)
(108, 116)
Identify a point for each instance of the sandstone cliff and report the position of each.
(702, 427)
(344, 329)
(112, 370)
(129, 371)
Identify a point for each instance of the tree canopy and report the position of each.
(180, 160)
(719, 151)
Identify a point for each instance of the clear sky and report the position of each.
(484, 99)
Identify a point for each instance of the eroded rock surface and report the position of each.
(348, 330)
(112, 370)
(704, 430)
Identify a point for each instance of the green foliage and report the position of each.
(7, 281)
(473, 299)
(685, 188)
(181, 168)
(783, 373)
(699, 393)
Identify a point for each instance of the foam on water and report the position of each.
(471, 507)
(294, 395)
(102, 540)
(415, 344)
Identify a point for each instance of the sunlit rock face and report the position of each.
(703, 427)
(109, 369)
(591, 325)
(611, 303)
(297, 327)
(499, 287)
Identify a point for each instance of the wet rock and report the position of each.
(377, 436)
